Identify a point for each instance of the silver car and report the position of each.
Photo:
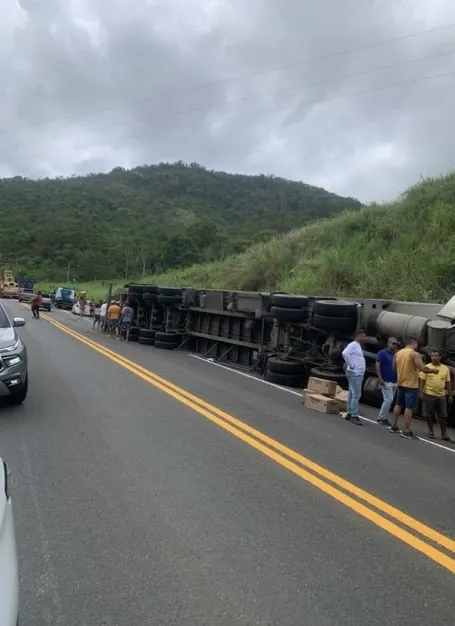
(9, 579)
(13, 360)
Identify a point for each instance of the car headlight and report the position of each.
(14, 346)
(12, 360)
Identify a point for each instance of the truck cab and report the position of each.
(64, 298)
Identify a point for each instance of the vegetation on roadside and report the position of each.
(149, 219)
(403, 250)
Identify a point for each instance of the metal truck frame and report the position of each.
(286, 337)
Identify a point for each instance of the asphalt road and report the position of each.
(135, 506)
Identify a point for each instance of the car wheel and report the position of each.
(19, 396)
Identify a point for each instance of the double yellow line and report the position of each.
(407, 529)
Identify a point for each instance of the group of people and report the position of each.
(119, 319)
(405, 377)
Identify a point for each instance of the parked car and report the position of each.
(13, 360)
(25, 295)
(76, 310)
(9, 578)
(46, 304)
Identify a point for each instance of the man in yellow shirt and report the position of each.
(436, 391)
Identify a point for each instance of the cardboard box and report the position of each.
(341, 396)
(322, 387)
(323, 404)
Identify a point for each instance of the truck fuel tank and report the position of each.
(388, 324)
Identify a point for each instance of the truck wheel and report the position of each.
(279, 366)
(341, 324)
(146, 341)
(289, 315)
(335, 308)
(19, 396)
(286, 380)
(289, 301)
(168, 337)
(165, 300)
(146, 333)
(336, 375)
(165, 345)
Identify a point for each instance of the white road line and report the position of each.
(259, 380)
(296, 393)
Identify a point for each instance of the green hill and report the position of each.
(147, 219)
(403, 250)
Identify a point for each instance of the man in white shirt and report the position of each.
(355, 371)
(103, 315)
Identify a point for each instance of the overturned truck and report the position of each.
(285, 338)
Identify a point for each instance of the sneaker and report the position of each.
(409, 435)
(347, 417)
(383, 422)
(394, 429)
(355, 420)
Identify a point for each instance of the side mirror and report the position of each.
(18, 321)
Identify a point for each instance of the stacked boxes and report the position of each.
(324, 396)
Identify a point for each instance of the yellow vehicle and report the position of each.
(8, 286)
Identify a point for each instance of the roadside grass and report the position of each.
(402, 250)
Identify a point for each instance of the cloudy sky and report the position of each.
(357, 96)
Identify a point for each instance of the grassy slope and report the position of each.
(403, 250)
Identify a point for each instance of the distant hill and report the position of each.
(403, 250)
(148, 219)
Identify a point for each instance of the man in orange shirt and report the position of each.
(113, 317)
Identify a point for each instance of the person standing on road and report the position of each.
(436, 391)
(35, 304)
(355, 371)
(387, 379)
(97, 315)
(126, 320)
(103, 313)
(408, 364)
(113, 318)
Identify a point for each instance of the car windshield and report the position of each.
(4, 321)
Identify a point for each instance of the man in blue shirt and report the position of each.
(387, 378)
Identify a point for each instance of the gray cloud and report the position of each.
(257, 86)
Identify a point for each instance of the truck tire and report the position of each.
(279, 366)
(336, 375)
(147, 333)
(165, 345)
(146, 341)
(167, 300)
(149, 298)
(133, 338)
(290, 302)
(340, 324)
(286, 380)
(335, 308)
(135, 289)
(168, 337)
(170, 291)
(289, 315)
(134, 330)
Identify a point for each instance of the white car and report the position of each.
(76, 310)
(9, 577)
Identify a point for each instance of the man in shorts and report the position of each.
(113, 318)
(408, 364)
(126, 320)
(436, 391)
